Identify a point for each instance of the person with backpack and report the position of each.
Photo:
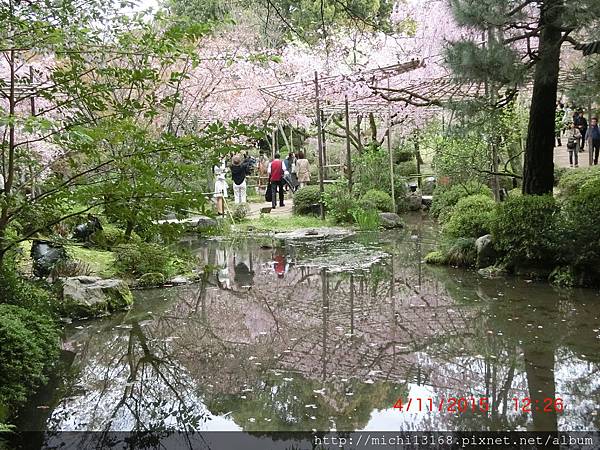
(593, 139)
(573, 139)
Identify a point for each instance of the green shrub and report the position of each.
(460, 253)
(339, 203)
(527, 230)
(435, 258)
(28, 347)
(445, 197)
(371, 169)
(151, 279)
(366, 219)
(559, 173)
(141, 258)
(574, 180)
(582, 236)
(471, 217)
(403, 154)
(305, 200)
(406, 169)
(27, 294)
(240, 211)
(376, 200)
(111, 236)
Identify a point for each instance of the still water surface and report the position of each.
(328, 335)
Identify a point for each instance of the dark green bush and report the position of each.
(574, 180)
(459, 252)
(559, 173)
(371, 170)
(445, 197)
(582, 235)
(376, 200)
(305, 200)
(339, 202)
(527, 230)
(406, 169)
(141, 258)
(471, 217)
(403, 154)
(28, 347)
(18, 291)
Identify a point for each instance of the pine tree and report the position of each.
(524, 36)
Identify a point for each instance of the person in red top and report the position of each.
(276, 172)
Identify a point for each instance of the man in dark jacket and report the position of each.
(593, 139)
(582, 124)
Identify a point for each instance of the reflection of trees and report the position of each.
(131, 382)
(290, 404)
(372, 333)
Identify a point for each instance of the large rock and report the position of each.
(390, 220)
(486, 253)
(92, 296)
(45, 256)
(429, 184)
(414, 201)
(205, 223)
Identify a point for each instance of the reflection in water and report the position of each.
(327, 335)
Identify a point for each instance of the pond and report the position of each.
(328, 334)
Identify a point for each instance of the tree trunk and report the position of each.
(129, 229)
(538, 173)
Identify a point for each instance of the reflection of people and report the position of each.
(243, 276)
(280, 265)
(223, 272)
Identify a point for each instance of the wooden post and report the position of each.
(325, 168)
(273, 144)
(418, 158)
(391, 153)
(358, 135)
(319, 141)
(348, 147)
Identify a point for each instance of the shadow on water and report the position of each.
(328, 335)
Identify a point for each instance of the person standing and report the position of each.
(277, 172)
(593, 139)
(302, 170)
(220, 193)
(290, 166)
(239, 170)
(582, 124)
(559, 115)
(573, 140)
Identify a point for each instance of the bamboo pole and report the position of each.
(348, 146)
(391, 153)
(319, 141)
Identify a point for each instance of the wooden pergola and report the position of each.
(369, 92)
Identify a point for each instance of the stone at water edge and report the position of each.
(414, 200)
(92, 296)
(390, 220)
(204, 222)
(486, 253)
(179, 280)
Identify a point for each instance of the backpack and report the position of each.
(571, 143)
